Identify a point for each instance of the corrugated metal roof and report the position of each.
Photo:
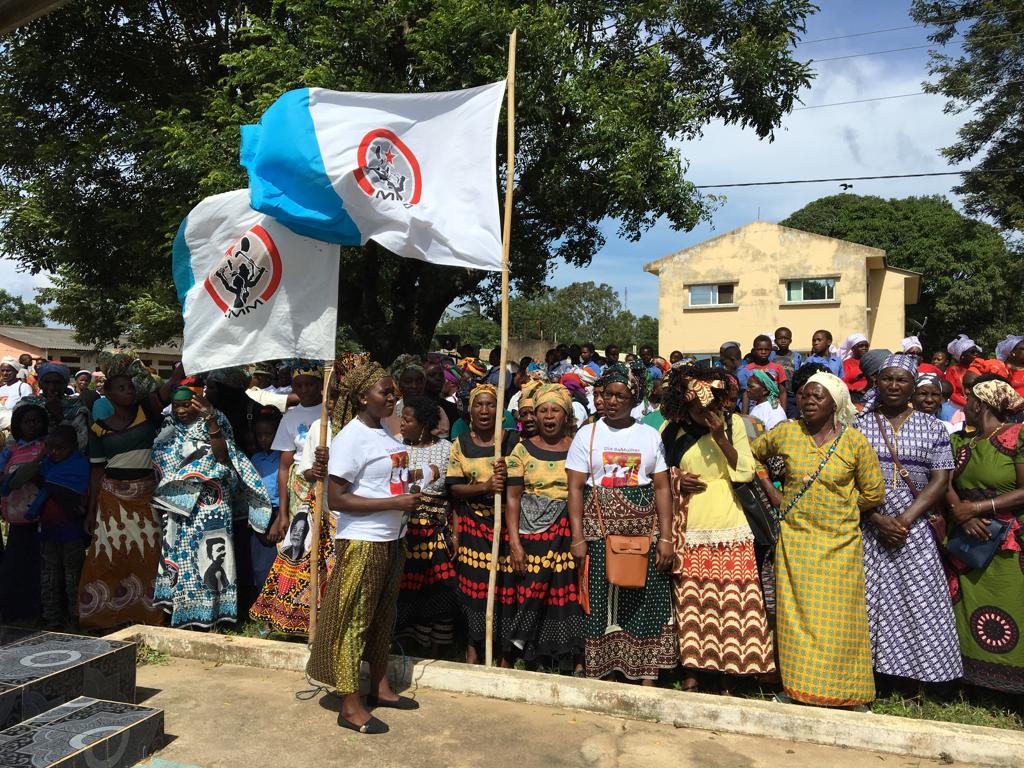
(64, 339)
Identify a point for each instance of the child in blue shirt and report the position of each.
(820, 353)
(266, 461)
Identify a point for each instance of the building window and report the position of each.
(817, 289)
(709, 295)
(66, 359)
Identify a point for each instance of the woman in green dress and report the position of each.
(832, 477)
(987, 484)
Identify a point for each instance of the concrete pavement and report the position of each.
(225, 716)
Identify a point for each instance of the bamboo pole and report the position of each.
(503, 363)
(318, 507)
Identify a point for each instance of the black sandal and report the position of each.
(403, 702)
(371, 726)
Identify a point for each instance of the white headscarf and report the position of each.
(1005, 347)
(845, 410)
(852, 341)
(912, 342)
(961, 344)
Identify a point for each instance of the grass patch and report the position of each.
(150, 657)
(969, 708)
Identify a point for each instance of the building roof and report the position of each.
(654, 267)
(15, 13)
(64, 339)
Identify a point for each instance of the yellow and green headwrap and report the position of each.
(528, 393)
(559, 395)
(482, 389)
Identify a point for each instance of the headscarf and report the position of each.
(959, 345)
(1005, 347)
(617, 373)
(999, 396)
(928, 378)
(572, 382)
(124, 362)
(846, 350)
(845, 411)
(873, 361)
(587, 376)
(770, 384)
(87, 373)
(182, 394)
(235, 377)
(729, 345)
(312, 368)
(403, 362)
(528, 394)
(472, 367)
(981, 366)
(535, 371)
(11, 361)
(353, 385)
(892, 360)
(911, 342)
(56, 368)
(482, 389)
(559, 395)
(643, 379)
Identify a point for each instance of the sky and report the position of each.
(883, 137)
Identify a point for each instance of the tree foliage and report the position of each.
(970, 279)
(985, 80)
(107, 145)
(472, 328)
(16, 311)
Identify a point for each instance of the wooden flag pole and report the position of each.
(499, 417)
(318, 507)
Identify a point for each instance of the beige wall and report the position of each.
(759, 258)
(888, 310)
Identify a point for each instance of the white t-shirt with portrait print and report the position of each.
(376, 463)
(621, 458)
(10, 394)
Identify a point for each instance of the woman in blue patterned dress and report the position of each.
(204, 477)
(910, 614)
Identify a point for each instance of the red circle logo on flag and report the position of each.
(248, 275)
(388, 170)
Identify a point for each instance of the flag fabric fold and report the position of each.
(414, 172)
(250, 288)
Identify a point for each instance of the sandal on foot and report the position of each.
(402, 702)
(371, 726)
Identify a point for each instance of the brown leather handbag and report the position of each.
(625, 557)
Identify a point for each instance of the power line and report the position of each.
(861, 101)
(937, 22)
(868, 53)
(857, 34)
(860, 178)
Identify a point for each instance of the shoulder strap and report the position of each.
(593, 479)
(900, 469)
(812, 478)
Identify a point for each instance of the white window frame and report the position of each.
(827, 300)
(714, 295)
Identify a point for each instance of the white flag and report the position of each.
(414, 172)
(250, 288)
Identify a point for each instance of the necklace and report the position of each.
(974, 440)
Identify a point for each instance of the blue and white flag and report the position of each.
(414, 172)
(250, 288)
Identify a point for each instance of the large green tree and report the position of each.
(116, 118)
(984, 79)
(16, 311)
(970, 280)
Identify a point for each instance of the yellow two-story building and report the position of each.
(761, 276)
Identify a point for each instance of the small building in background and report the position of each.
(59, 345)
(761, 276)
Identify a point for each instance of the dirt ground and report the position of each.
(222, 716)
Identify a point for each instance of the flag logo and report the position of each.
(247, 276)
(388, 170)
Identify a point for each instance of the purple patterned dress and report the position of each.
(913, 632)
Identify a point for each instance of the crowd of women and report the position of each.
(829, 522)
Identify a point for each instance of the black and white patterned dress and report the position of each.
(910, 614)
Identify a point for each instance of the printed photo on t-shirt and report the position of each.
(621, 469)
(399, 472)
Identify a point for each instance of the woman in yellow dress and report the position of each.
(719, 609)
(832, 477)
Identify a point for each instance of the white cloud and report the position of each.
(18, 282)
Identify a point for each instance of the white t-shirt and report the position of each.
(10, 394)
(294, 426)
(625, 457)
(767, 415)
(580, 412)
(377, 466)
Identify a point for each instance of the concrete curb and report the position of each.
(749, 717)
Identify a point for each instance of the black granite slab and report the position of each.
(84, 733)
(41, 670)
